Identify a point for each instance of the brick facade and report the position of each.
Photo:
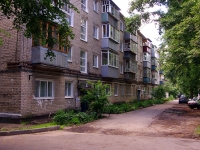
(19, 74)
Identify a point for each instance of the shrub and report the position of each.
(158, 92)
(96, 97)
(60, 117)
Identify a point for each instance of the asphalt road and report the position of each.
(104, 134)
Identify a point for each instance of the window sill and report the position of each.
(96, 11)
(83, 40)
(96, 38)
(70, 61)
(45, 98)
(115, 95)
(86, 10)
(95, 67)
(68, 97)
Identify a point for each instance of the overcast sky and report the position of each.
(149, 30)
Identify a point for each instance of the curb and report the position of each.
(29, 131)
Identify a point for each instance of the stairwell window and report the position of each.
(96, 32)
(70, 54)
(84, 5)
(116, 89)
(95, 61)
(44, 89)
(83, 61)
(83, 30)
(96, 5)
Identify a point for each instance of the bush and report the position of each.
(158, 92)
(70, 117)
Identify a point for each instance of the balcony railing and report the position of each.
(147, 44)
(128, 36)
(131, 46)
(39, 55)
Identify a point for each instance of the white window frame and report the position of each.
(96, 32)
(112, 59)
(115, 89)
(85, 62)
(39, 88)
(95, 61)
(70, 51)
(95, 6)
(84, 26)
(84, 5)
(69, 95)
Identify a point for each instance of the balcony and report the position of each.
(107, 43)
(106, 18)
(147, 43)
(161, 72)
(147, 49)
(131, 46)
(108, 71)
(39, 54)
(153, 68)
(146, 80)
(154, 81)
(128, 36)
(128, 55)
(146, 64)
(129, 75)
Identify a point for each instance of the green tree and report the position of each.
(180, 29)
(96, 97)
(158, 92)
(32, 14)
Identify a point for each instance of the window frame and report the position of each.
(71, 90)
(84, 7)
(112, 59)
(95, 6)
(121, 68)
(70, 51)
(108, 89)
(84, 25)
(96, 60)
(96, 32)
(115, 89)
(47, 90)
(85, 61)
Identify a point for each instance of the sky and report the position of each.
(148, 30)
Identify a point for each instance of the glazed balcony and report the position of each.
(128, 36)
(107, 43)
(108, 71)
(146, 80)
(106, 18)
(39, 55)
(131, 46)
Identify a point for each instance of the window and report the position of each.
(69, 14)
(84, 5)
(121, 89)
(70, 54)
(121, 47)
(128, 89)
(116, 89)
(83, 61)
(44, 89)
(111, 32)
(83, 30)
(108, 89)
(68, 90)
(121, 26)
(110, 59)
(95, 61)
(96, 4)
(96, 32)
(121, 68)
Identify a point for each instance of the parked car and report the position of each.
(183, 99)
(194, 103)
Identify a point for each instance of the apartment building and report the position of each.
(101, 50)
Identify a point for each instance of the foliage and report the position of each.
(130, 106)
(180, 29)
(71, 117)
(31, 15)
(158, 92)
(96, 97)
